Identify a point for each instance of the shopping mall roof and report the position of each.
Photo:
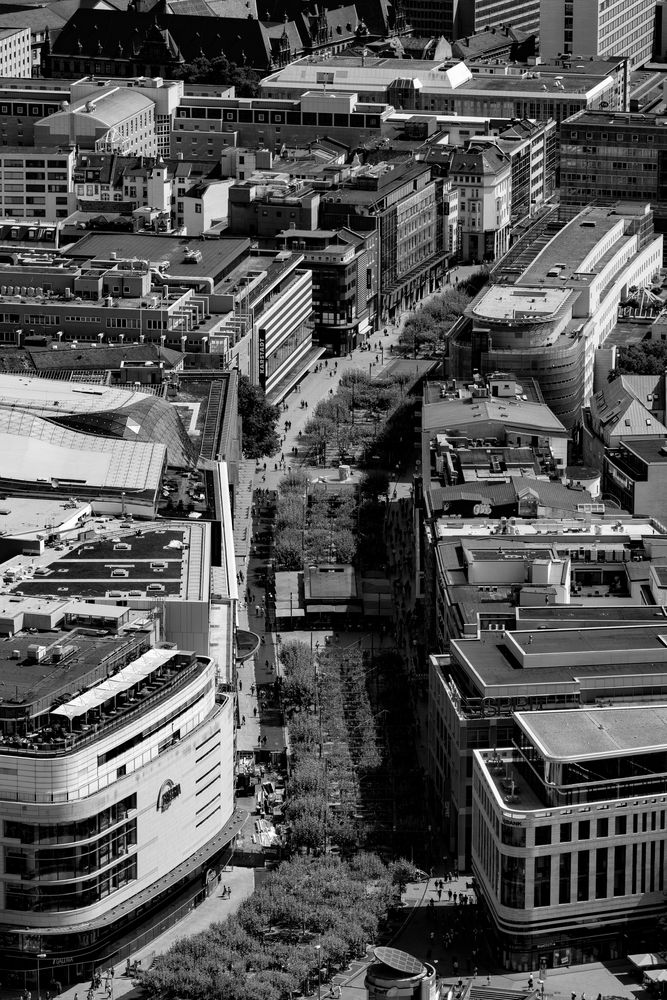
(101, 411)
(587, 734)
(38, 451)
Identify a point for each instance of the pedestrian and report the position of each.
(449, 893)
(254, 711)
(474, 973)
(243, 720)
(454, 897)
(252, 689)
(530, 981)
(573, 996)
(439, 894)
(240, 685)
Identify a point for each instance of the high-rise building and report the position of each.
(598, 28)
(607, 157)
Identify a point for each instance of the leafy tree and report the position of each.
(646, 358)
(220, 70)
(403, 871)
(259, 420)
(288, 550)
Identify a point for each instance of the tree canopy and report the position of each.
(221, 71)
(259, 420)
(647, 358)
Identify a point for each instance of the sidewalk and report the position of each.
(212, 910)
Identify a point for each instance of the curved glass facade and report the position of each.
(150, 419)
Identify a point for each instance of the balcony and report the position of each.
(57, 739)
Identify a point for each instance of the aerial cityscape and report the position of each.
(333, 499)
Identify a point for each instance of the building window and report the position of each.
(542, 886)
(565, 833)
(584, 829)
(603, 827)
(513, 882)
(513, 836)
(564, 873)
(621, 825)
(582, 876)
(542, 835)
(601, 856)
(619, 870)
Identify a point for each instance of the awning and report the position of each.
(646, 960)
(125, 679)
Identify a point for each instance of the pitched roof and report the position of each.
(618, 407)
(184, 37)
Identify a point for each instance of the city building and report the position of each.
(406, 206)
(532, 149)
(489, 414)
(459, 19)
(554, 302)
(124, 413)
(44, 458)
(103, 738)
(476, 689)
(483, 175)
(37, 183)
(345, 283)
(634, 473)
(569, 823)
(158, 291)
(207, 123)
(430, 87)
(598, 28)
(265, 327)
(614, 157)
(629, 406)
(117, 119)
(15, 52)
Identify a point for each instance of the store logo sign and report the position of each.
(168, 792)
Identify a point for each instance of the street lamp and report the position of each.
(318, 948)
(40, 954)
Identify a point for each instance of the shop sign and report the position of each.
(168, 792)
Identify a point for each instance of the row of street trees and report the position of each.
(430, 324)
(351, 421)
(313, 524)
(268, 948)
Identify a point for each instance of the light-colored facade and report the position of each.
(483, 175)
(420, 85)
(116, 120)
(37, 182)
(598, 28)
(569, 833)
(549, 322)
(91, 793)
(15, 52)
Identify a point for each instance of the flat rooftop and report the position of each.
(650, 449)
(26, 517)
(587, 734)
(160, 560)
(218, 256)
(449, 413)
(24, 681)
(330, 582)
(564, 655)
(518, 302)
(568, 250)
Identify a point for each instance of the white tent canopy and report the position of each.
(125, 679)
